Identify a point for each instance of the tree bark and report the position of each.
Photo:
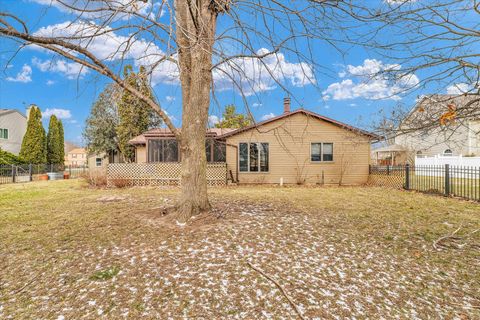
(195, 31)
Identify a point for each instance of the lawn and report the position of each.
(71, 252)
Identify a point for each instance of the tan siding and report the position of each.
(141, 154)
(289, 152)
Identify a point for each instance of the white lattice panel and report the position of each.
(159, 174)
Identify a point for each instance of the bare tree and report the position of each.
(438, 40)
(206, 45)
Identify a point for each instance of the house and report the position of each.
(296, 147)
(13, 126)
(101, 160)
(76, 157)
(453, 135)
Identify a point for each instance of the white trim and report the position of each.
(8, 134)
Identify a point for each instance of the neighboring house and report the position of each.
(69, 146)
(451, 138)
(13, 125)
(294, 148)
(76, 157)
(100, 161)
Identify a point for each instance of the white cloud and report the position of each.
(118, 9)
(106, 45)
(393, 2)
(256, 75)
(213, 120)
(267, 116)
(59, 113)
(71, 70)
(257, 104)
(50, 82)
(459, 88)
(170, 98)
(24, 76)
(352, 104)
(252, 75)
(372, 80)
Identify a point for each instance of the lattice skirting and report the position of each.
(159, 174)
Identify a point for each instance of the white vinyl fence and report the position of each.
(451, 160)
(457, 164)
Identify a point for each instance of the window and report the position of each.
(74, 155)
(253, 157)
(3, 133)
(447, 152)
(321, 151)
(98, 162)
(162, 150)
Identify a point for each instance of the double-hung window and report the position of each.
(253, 157)
(321, 151)
(3, 133)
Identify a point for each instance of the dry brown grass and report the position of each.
(72, 251)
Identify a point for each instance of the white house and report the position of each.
(13, 125)
(456, 133)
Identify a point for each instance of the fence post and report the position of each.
(14, 173)
(447, 180)
(407, 176)
(30, 173)
(388, 170)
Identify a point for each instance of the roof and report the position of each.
(430, 108)
(307, 113)
(69, 146)
(167, 133)
(78, 150)
(391, 148)
(7, 111)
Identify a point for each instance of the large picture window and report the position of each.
(321, 151)
(253, 157)
(162, 150)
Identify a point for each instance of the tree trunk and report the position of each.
(195, 37)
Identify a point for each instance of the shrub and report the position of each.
(121, 183)
(95, 178)
(9, 158)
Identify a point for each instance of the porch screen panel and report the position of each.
(219, 152)
(155, 151)
(208, 150)
(243, 157)
(170, 150)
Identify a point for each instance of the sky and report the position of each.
(339, 89)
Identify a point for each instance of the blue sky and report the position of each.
(59, 87)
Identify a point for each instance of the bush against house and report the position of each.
(9, 158)
(34, 148)
(55, 141)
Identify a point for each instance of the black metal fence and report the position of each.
(33, 172)
(447, 180)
